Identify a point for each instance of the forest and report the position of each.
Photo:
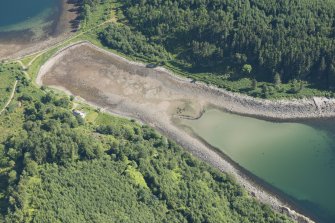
(58, 167)
(293, 38)
(277, 42)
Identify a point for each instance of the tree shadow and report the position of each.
(3, 190)
(77, 9)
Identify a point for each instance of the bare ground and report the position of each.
(156, 97)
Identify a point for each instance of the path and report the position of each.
(124, 97)
(10, 98)
(39, 53)
(201, 152)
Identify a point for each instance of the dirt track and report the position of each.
(154, 96)
(10, 98)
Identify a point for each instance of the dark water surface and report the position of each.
(298, 159)
(33, 16)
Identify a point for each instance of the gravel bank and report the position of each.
(308, 108)
(207, 95)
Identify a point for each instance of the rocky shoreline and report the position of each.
(307, 108)
(233, 102)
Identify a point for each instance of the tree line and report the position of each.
(55, 167)
(292, 39)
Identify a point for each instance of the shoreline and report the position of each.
(61, 29)
(236, 103)
(289, 206)
(195, 146)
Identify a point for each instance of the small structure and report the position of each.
(151, 65)
(79, 113)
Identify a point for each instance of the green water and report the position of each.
(33, 15)
(298, 159)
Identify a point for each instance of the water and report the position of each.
(296, 158)
(34, 16)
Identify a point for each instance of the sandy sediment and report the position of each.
(19, 45)
(307, 108)
(156, 96)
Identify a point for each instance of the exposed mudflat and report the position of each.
(156, 97)
(20, 43)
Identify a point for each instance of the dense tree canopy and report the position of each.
(294, 38)
(141, 176)
(131, 43)
(55, 167)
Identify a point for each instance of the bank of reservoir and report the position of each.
(296, 158)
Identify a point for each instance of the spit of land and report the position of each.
(159, 98)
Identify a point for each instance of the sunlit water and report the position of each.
(298, 159)
(27, 15)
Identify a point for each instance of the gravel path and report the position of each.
(10, 98)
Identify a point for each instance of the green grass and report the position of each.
(106, 119)
(41, 59)
(244, 85)
(25, 61)
(11, 119)
(92, 116)
(7, 78)
(137, 176)
(99, 14)
(10, 123)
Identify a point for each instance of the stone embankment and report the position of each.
(237, 103)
